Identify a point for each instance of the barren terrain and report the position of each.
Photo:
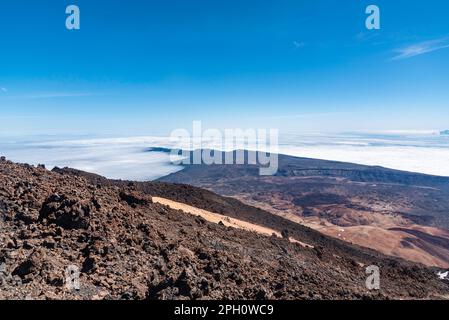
(126, 246)
(397, 213)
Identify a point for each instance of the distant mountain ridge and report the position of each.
(290, 166)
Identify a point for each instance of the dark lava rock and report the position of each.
(110, 234)
(66, 213)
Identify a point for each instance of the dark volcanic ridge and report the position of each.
(305, 167)
(127, 247)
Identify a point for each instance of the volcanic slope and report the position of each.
(128, 247)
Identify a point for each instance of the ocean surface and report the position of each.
(132, 158)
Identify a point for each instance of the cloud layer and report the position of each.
(128, 158)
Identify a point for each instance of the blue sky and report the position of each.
(147, 67)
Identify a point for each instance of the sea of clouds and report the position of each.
(132, 158)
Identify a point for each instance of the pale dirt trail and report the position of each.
(227, 221)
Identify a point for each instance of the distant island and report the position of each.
(444, 133)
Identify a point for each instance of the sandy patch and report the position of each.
(227, 221)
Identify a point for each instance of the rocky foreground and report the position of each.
(127, 247)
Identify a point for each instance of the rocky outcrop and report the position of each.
(64, 237)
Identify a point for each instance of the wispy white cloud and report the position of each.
(366, 36)
(303, 116)
(299, 44)
(421, 48)
(53, 95)
(48, 95)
